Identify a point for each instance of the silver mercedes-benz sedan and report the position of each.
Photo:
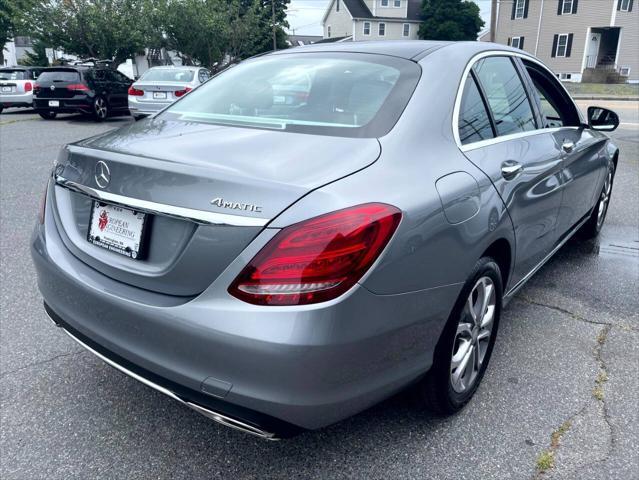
(161, 86)
(315, 229)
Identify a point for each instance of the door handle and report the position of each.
(568, 146)
(510, 169)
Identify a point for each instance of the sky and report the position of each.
(305, 16)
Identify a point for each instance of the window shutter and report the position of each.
(574, 6)
(512, 15)
(521, 43)
(630, 6)
(554, 46)
(618, 4)
(509, 42)
(526, 8)
(569, 45)
(560, 6)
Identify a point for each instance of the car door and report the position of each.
(583, 160)
(100, 84)
(499, 133)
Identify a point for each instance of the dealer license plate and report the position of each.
(117, 229)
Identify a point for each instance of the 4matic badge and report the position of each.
(248, 207)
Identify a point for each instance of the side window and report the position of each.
(203, 75)
(474, 122)
(557, 110)
(506, 95)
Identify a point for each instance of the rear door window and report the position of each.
(474, 122)
(506, 95)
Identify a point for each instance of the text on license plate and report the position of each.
(159, 95)
(6, 89)
(117, 229)
(54, 103)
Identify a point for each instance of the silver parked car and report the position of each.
(317, 228)
(17, 85)
(161, 86)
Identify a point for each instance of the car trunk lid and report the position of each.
(215, 188)
(55, 83)
(158, 92)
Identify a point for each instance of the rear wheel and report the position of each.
(47, 115)
(100, 109)
(465, 347)
(594, 224)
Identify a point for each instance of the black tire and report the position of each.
(47, 115)
(100, 109)
(437, 389)
(1, 108)
(597, 218)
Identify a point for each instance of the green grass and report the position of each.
(545, 461)
(624, 89)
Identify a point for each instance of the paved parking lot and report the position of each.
(565, 363)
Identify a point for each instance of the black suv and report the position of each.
(95, 91)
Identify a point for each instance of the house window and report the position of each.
(384, 3)
(517, 42)
(397, 3)
(624, 5)
(562, 45)
(520, 6)
(406, 30)
(328, 31)
(381, 31)
(566, 8)
(367, 28)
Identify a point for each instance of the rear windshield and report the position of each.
(168, 75)
(355, 95)
(13, 75)
(59, 76)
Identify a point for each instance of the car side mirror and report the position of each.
(602, 119)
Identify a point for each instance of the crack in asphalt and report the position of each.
(40, 362)
(576, 316)
(600, 380)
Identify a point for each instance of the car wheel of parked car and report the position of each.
(464, 349)
(48, 115)
(594, 224)
(100, 109)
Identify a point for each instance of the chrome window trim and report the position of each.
(504, 138)
(202, 217)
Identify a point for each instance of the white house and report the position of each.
(359, 20)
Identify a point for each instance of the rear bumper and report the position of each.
(137, 107)
(16, 99)
(67, 105)
(278, 369)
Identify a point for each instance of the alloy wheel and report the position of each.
(604, 200)
(100, 108)
(473, 335)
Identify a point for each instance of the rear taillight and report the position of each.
(180, 93)
(135, 92)
(318, 259)
(28, 86)
(36, 87)
(78, 87)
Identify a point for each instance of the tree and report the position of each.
(10, 21)
(36, 58)
(450, 20)
(104, 29)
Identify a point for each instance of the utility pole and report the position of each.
(274, 30)
(493, 20)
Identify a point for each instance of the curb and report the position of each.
(625, 98)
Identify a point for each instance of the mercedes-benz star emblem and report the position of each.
(102, 174)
